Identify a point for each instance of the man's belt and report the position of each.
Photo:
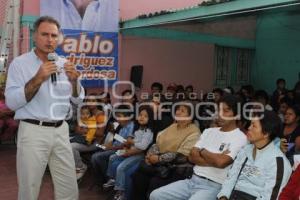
(42, 123)
(203, 177)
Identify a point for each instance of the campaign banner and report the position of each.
(90, 37)
(94, 54)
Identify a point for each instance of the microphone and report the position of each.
(53, 57)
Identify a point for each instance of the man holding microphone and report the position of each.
(41, 104)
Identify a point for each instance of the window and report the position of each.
(222, 63)
(232, 66)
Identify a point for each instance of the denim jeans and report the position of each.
(99, 162)
(77, 148)
(195, 188)
(118, 167)
(128, 180)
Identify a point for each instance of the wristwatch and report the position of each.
(200, 150)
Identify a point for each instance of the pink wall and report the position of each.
(164, 61)
(128, 8)
(168, 62)
(132, 8)
(31, 7)
(25, 40)
(2, 12)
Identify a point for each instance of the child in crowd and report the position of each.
(132, 152)
(86, 127)
(100, 159)
(86, 130)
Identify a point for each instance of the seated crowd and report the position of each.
(235, 146)
(8, 126)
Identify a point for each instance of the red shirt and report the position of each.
(292, 190)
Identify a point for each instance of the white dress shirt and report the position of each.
(50, 103)
(99, 16)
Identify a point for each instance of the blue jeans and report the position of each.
(195, 188)
(118, 167)
(128, 180)
(99, 162)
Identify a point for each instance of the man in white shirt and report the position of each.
(42, 104)
(89, 15)
(212, 155)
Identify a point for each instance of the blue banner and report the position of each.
(90, 29)
(94, 53)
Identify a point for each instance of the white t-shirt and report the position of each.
(216, 141)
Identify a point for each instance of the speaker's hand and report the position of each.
(71, 72)
(45, 70)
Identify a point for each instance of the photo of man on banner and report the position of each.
(90, 37)
(90, 15)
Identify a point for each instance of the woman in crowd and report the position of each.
(283, 105)
(260, 170)
(177, 139)
(291, 132)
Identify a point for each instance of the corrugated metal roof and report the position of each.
(168, 11)
(203, 12)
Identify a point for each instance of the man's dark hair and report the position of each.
(123, 110)
(189, 87)
(42, 19)
(218, 90)
(85, 108)
(93, 95)
(179, 88)
(270, 124)
(157, 85)
(106, 95)
(295, 108)
(261, 94)
(131, 92)
(232, 102)
(286, 100)
(280, 80)
(248, 88)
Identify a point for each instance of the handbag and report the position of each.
(239, 195)
(184, 170)
(179, 167)
(162, 171)
(146, 169)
